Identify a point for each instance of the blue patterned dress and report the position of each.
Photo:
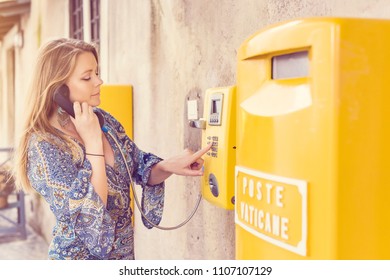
(85, 228)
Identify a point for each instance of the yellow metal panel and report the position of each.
(312, 150)
(118, 101)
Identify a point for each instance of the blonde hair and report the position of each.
(56, 61)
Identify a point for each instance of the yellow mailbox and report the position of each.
(313, 141)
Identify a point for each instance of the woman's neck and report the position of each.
(67, 128)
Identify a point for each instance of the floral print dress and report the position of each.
(85, 228)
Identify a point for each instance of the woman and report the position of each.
(78, 168)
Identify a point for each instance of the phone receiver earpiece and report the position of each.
(61, 97)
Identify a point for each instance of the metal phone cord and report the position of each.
(136, 198)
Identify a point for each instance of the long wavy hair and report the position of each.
(56, 61)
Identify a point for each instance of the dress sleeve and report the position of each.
(140, 164)
(64, 182)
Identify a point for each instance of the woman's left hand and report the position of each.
(188, 163)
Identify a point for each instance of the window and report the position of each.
(95, 21)
(89, 10)
(76, 19)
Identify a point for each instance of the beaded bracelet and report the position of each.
(96, 155)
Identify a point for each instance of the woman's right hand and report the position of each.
(88, 127)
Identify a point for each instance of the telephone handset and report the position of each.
(61, 97)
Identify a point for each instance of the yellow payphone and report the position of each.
(313, 134)
(219, 129)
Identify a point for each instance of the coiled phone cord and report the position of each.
(136, 198)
